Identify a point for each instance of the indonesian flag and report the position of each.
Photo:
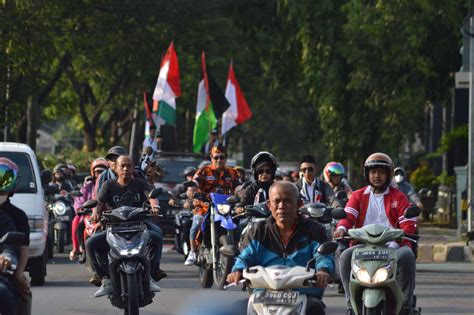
(167, 89)
(239, 110)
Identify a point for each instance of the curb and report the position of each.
(441, 253)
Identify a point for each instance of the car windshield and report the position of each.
(174, 168)
(26, 180)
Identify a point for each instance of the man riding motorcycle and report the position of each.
(8, 181)
(59, 178)
(333, 175)
(123, 191)
(401, 182)
(311, 188)
(380, 203)
(286, 239)
(208, 179)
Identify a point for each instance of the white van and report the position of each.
(29, 197)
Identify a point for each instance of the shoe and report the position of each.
(82, 258)
(340, 288)
(158, 274)
(105, 289)
(154, 287)
(191, 259)
(95, 280)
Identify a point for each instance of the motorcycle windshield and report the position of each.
(226, 221)
(219, 199)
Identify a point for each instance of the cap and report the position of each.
(115, 152)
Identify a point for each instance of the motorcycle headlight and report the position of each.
(363, 275)
(379, 276)
(59, 208)
(223, 209)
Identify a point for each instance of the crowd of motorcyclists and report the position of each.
(285, 238)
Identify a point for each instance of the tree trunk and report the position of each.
(20, 134)
(32, 119)
(90, 139)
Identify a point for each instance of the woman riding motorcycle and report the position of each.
(264, 166)
(96, 168)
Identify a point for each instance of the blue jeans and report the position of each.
(97, 245)
(7, 297)
(197, 221)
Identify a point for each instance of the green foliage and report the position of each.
(80, 158)
(444, 179)
(423, 177)
(453, 138)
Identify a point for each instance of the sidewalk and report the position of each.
(440, 245)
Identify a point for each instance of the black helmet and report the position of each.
(378, 160)
(190, 170)
(260, 157)
(59, 168)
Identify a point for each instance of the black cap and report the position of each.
(214, 131)
(115, 152)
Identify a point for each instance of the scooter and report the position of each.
(182, 224)
(217, 234)
(14, 239)
(129, 255)
(277, 286)
(62, 212)
(373, 285)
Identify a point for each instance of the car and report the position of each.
(174, 164)
(29, 197)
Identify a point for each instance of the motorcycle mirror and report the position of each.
(232, 200)
(189, 183)
(155, 193)
(338, 214)
(341, 195)
(311, 261)
(76, 193)
(12, 238)
(51, 190)
(89, 204)
(327, 248)
(412, 212)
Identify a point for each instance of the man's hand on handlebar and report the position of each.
(5, 263)
(322, 279)
(339, 233)
(155, 210)
(234, 277)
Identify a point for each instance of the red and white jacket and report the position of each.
(395, 203)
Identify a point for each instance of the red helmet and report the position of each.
(378, 160)
(99, 163)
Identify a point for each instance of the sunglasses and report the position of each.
(264, 170)
(307, 169)
(219, 157)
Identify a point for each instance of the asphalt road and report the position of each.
(441, 289)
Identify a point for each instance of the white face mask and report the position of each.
(3, 198)
(398, 178)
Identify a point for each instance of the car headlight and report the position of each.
(223, 209)
(36, 224)
(59, 208)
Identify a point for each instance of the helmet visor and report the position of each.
(8, 178)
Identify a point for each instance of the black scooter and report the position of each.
(129, 255)
(182, 224)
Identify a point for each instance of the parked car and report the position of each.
(29, 197)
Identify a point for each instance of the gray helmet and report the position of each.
(260, 157)
(190, 170)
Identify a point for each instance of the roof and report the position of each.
(15, 147)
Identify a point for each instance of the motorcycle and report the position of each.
(182, 224)
(89, 228)
(213, 265)
(277, 286)
(129, 255)
(14, 239)
(61, 213)
(373, 285)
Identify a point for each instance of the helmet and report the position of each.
(72, 168)
(190, 170)
(8, 175)
(333, 168)
(99, 163)
(400, 176)
(59, 168)
(378, 160)
(260, 157)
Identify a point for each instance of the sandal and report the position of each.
(72, 255)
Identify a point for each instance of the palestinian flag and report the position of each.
(211, 104)
(239, 110)
(167, 89)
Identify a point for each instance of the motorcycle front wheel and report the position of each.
(224, 265)
(378, 310)
(132, 295)
(205, 276)
(61, 239)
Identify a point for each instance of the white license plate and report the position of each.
(280, 297)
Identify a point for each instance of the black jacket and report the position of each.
(252, 190)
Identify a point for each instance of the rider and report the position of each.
(401, 182)
(286, 239)
(8, 181)
(122, 191)
(209, 179)
(8, 256)
(263, 166)
(97, 166)
(181, 188)
(333, 175)
(380, 203)
(59, 178)
(311, 188)
(111, 157)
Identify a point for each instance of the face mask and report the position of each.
(398, 178)
(3, 198)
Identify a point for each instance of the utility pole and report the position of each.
(133, 133)
(470, 172)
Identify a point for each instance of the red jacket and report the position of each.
(395, 205)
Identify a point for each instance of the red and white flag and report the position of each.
(239, 110)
